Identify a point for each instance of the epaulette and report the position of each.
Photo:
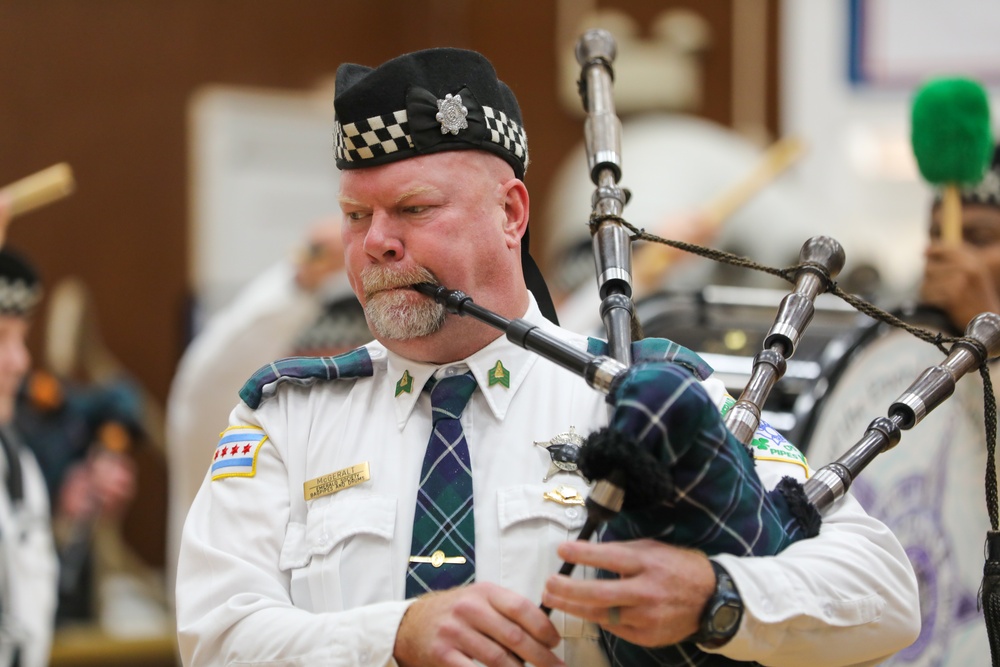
(304, 370)
(658, 349)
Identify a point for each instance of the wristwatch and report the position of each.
(723, 612)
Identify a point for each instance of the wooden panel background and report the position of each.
(105, 85)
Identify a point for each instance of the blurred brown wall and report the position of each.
(104, 85)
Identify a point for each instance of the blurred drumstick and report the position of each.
(952, 142)
(38, 189)
(34, 191)
(651, 260)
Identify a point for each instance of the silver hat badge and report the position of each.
(451, 114)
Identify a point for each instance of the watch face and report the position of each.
(726, 618)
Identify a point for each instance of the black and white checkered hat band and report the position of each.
(16, 297)
(986, 192)
(389, 133)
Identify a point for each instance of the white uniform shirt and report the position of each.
(267, 578)
(28, 567)
(260, 325)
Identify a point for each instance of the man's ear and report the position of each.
(516, 207)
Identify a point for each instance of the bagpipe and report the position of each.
(664, 432)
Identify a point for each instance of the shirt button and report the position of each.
(324, 538)
(572, 512)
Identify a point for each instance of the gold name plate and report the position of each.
(337, 481)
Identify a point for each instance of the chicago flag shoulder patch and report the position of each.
(236, 453)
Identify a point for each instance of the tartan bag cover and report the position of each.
(718, 504)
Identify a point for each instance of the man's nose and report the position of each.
(383, 241)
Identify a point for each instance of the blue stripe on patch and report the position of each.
(248, 461)
(229, 437)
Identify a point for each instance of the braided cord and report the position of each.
(939, 340)
(989, 594)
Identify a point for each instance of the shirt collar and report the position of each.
(515, 360)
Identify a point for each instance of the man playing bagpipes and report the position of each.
(409, 502)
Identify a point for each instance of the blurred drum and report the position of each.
(727, 326)
(928, 490)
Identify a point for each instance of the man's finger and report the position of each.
(611, 556)
(595, 592)
(518, 626)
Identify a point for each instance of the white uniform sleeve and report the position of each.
(850, 590)
(233, 598)
(259, 326)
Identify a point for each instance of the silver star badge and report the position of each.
(451, 114)
(564, 449)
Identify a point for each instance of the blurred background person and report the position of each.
(299, 306)
(931, 495)
(82, 435)
(963, 280)
(28, 564)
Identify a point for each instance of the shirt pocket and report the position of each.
(341, 556)
(531, 528)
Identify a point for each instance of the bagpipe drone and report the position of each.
(664, 431)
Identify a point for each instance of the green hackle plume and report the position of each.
(952, 138)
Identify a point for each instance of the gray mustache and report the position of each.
(377, 278)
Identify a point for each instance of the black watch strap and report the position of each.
(723, 612)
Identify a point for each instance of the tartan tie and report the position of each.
(443, 524)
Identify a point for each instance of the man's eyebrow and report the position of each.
(413, 192)
(347, 201)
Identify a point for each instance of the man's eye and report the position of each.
(357, 215)
(413, 210)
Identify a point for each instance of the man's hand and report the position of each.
(104, 484)
(481, 622)
(957, 281)
(657, 601)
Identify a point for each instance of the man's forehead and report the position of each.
(395, 195)
(10, 323)
(433, 171)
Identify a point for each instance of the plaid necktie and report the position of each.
(443, 525)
